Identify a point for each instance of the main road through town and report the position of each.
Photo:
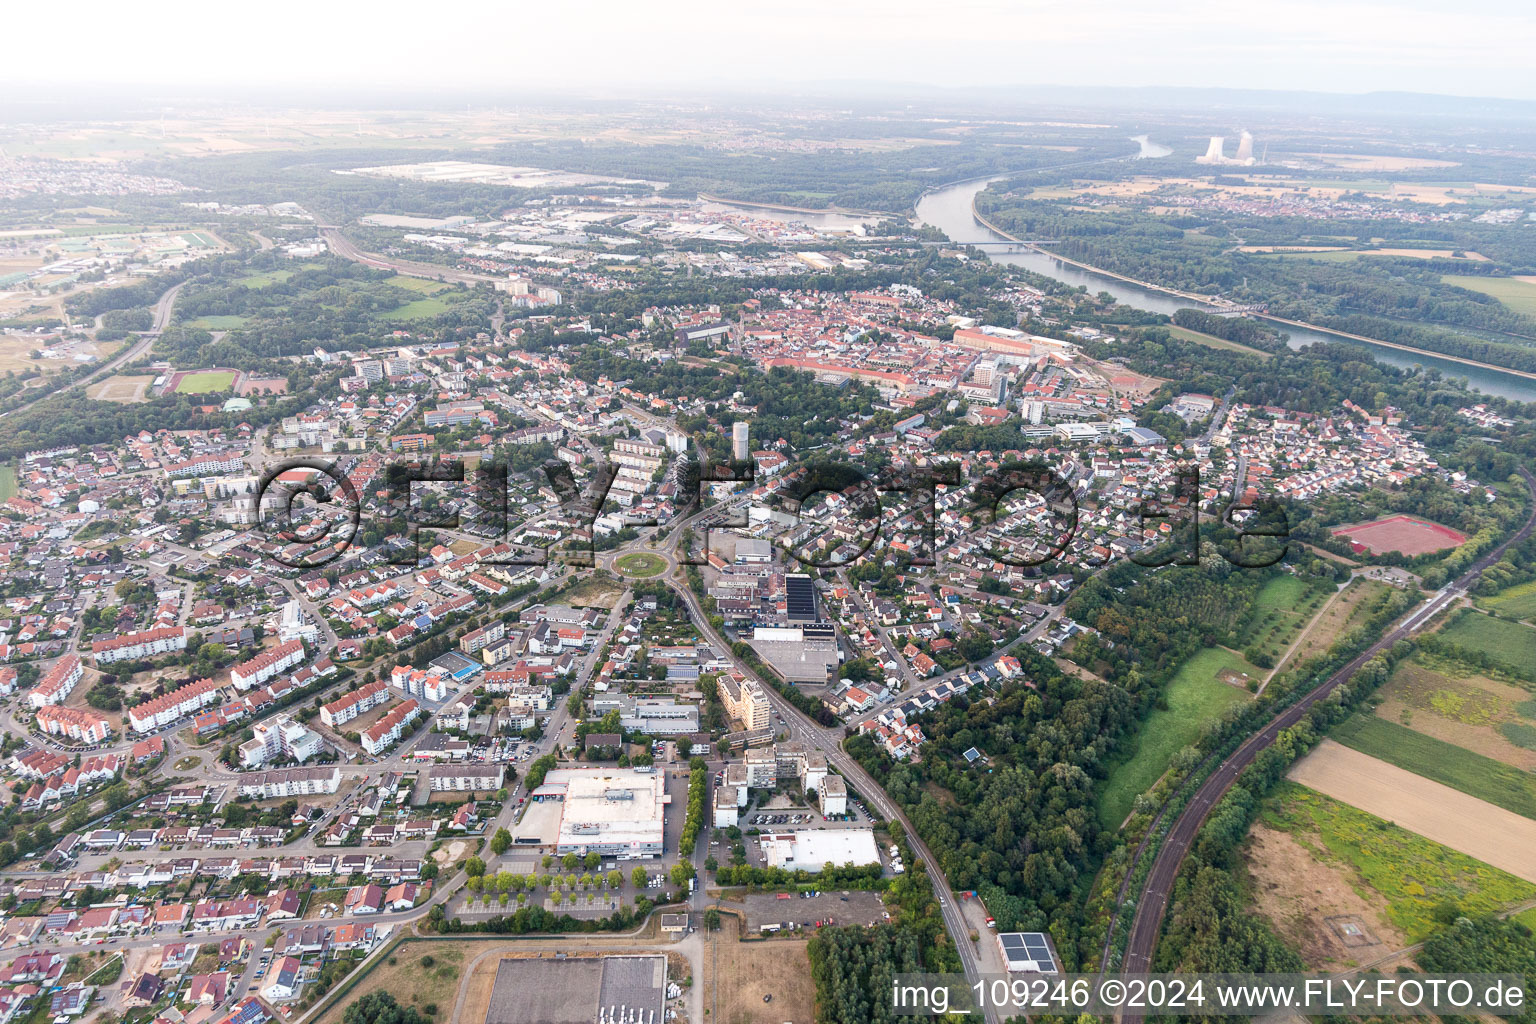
(1152, 901)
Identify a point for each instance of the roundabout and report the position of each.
(640, 564)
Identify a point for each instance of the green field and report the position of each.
(417, 284)
(1412, 874)
(205, 383)
(1196, 698)
(218, 323)
(1509, 643)
(1518, 601)
(1519, 296)
(641, 563)
(1445, 763)
(1211, 341)
(7, 481)
(263, 279)
(421, 309)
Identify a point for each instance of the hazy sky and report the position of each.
(1471, 47)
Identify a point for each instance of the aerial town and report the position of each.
(642, 562)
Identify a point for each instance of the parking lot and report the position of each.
(839, 908)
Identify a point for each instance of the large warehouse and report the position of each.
(611, 811)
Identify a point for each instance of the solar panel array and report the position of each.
(1021, 946)
(800, 598)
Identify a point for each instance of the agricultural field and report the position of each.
(1517, 602)
(7, 480)
(1441, 699)
(1280, 612)
(1461, 769)
(1407, 875)
(1498, 838)
(1516, 293)
(1197, 696)
(1504, 643)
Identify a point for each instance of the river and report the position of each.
(949, 209)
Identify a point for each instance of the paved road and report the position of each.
(1152, 902)
(163, 309)
(342, 246)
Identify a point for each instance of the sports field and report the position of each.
(120, 388)
(218, 323)
(1408, 535)
(1197, 696)
(205, 383)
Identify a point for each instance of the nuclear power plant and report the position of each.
(1214, 154)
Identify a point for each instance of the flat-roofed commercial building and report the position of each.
(813, 849)
(611, 811)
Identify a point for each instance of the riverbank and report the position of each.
(1216, 306)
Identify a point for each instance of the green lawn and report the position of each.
(1211, 341)
(218, 323)
(1442, 762)
(1412, 874)
(264, 279)
(417, 284)
(7, 480)
(1196, 698)
(1281, 610)
(641, 563)
(421, 309)
(204, 383)
(1519, 296)
(1507, 642)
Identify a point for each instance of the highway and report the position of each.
(1152, 901)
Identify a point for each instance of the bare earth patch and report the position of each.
(1299, 893)
(780, 968)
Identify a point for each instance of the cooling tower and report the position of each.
(1245, 148)
(1213, 154)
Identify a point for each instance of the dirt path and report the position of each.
(1449, 817)
(1305, 631)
